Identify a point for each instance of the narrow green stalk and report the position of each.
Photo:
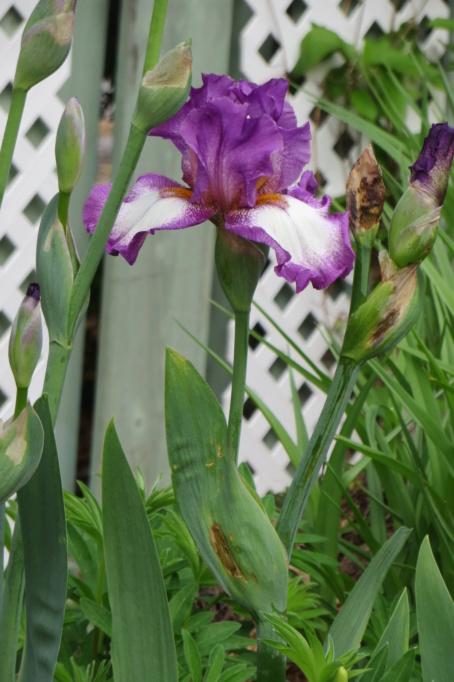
(238, 381)
(10, 137)
(21, 401)
(340, 391)
(12, 607)
(57, 364)
(97, 245)
(360, 277)
(155, 35)
(270, 663)
(2, 549)
(63, 207)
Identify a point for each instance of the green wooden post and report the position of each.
(89, 40)
(172, 277)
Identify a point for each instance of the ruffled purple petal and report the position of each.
(310, 245)
(233, 151)
(237, 140)
(154, 203)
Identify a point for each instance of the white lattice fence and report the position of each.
(32, 184)
(276, 29)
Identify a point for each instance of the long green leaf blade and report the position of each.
(143, 647)
(43, 524)
(435, 615)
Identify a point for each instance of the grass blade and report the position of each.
(350, 624)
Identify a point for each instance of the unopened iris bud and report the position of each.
(341, 675)
(414, 223)
(56, 264)
(164, 89)
(388, 313)
(239, 264)
(26, 339)
(70, 146)
(365, 197)
(46, 41)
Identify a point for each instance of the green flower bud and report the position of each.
(414, 223)
(57, 264)
(239, 264)
(46, 41)
(365, 197)
(70, 146)
(26, 339)
(164, 89)
(341, 675)
(413, 228)
(21, 446)
(388, 313)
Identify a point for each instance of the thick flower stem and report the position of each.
(340, 391)
(57, 364)
(238, 381)
(21, 401)
(155, 35)
(360, 277)
(98, 242)
(10, 137)
(270, 663)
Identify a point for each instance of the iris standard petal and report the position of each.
(310, 245)
(155, 203)
(233, 150)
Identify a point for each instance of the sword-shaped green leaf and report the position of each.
(435, 615)
(143, 646)
(42, 516)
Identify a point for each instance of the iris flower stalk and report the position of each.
(242, 160)
(377, 321)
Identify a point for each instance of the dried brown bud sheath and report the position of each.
(365, 193)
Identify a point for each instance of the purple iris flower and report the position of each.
(242, 156)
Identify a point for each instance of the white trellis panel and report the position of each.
(32, 187)
(284, 23)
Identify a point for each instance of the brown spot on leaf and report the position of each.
(222, 549)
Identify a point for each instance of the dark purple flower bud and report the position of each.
(430, 173)
(26, 338)
(414, 223)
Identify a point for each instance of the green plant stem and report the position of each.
(97, 245)
(98, 635)
(270, 663)
(341, 388)
(21, 401)
(63, 207)
(11, 609)
(155, 35)
(57, 364)
(238, 381)
(2, 548)
(10, 136)
(360, 277)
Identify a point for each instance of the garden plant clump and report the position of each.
(203, 580)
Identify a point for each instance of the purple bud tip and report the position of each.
(432, 168)
(33, 291)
